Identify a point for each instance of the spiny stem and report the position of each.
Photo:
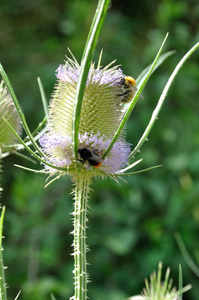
(3, 294)
(81, 195)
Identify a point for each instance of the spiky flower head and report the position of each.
(159, 288)
(101, 113)
(8, 112)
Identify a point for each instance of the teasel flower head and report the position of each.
(158, 288)
(101, 113)
(9, 113)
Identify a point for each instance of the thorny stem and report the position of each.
(3, 294)
(81, 195)
(1, 189)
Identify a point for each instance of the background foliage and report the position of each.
(131, 226)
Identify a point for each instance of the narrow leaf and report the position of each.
(132, 105)
(85, 66)
(160, 61)
(186, 254)
(180, 282)
(39, 128)
(161, 100)
(43, 96)
(33, 153)
(18, 108)
(139, 171)
(131, 166)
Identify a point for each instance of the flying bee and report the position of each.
(128, 85)
(91, 157)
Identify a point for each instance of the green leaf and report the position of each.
(160, 61)
(161, 100)
(39, 128)
(180, 281)
(186, 254)
(139, 171)
(19, 110)
(133, 103)
(43, 97)
(33, 153)
(85, 66)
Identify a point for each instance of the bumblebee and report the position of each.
(91, 157)
(128, 85)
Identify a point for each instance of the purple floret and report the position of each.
(111, 76)
(58, 150)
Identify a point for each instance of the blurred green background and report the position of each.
(131, 225)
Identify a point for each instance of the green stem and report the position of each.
(3, 294)
(81, 195)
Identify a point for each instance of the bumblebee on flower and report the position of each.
(101, 113)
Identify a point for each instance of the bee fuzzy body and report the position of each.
(128, 86)
(90, 156)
